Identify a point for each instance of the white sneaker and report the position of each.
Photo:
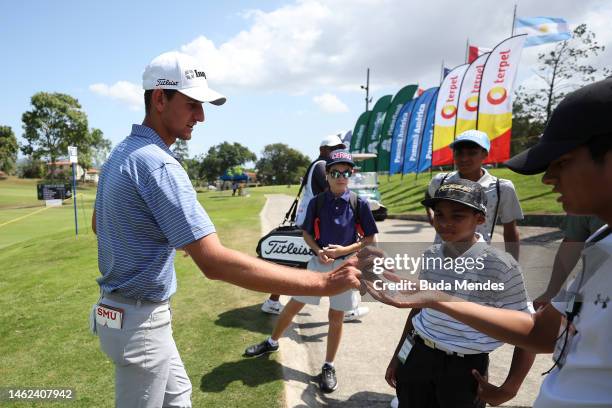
(272, 306)
(356, 314)
(394, 403)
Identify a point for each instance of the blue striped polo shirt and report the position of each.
(146, 207)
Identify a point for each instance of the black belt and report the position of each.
(131, 301)
(432, 345)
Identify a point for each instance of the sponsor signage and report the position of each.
(54, 191)
(285, 248)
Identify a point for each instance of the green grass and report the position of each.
(404, 196)
(47, 286)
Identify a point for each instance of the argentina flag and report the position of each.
(541, 30)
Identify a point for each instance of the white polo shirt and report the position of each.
(498, 267)
(509, 206)
(585, 380)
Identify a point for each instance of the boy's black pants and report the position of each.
(434, 379)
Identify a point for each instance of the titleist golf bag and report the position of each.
(285, 245)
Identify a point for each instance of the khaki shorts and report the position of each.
(343, 302)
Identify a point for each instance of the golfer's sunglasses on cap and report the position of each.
(336, 173)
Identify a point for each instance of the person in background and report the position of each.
(315, 182)
(337, 224)
(470, 149)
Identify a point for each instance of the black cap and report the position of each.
(582, 115)
(339, 156)
(461, 191)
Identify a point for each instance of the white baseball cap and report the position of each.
(174, 70)
(332, 140)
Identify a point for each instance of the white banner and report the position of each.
(467, 108)
(498, 77)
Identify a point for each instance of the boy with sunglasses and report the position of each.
(337, 224)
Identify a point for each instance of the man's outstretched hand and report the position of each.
(343, 278)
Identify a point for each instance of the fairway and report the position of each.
(47, 286)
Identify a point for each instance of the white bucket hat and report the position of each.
(174, 70)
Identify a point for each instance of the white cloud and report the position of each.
(330, 103)
(123, 91)
(312, 44)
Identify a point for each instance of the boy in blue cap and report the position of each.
(470, 150)
(337, 224)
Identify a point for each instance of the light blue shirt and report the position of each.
(145, 208)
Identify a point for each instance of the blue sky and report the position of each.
(291, 69)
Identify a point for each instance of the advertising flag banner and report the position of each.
(384, 147)
(424, 160)
(467, 109)
(346, 138)
(495, 98)
(399, 138)
(542, 30)
(372, 136)
(475, 52)
(446, 115)
(359, 132)
(415, 130)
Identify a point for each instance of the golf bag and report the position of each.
(285, 245)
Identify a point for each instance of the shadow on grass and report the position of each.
(251, 372)
(251, 318)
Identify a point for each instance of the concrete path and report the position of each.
(367, 345)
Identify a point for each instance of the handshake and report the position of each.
(363, 271)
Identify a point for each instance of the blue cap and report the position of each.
(474, 136)
(340, 156)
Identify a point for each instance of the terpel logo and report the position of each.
(448, 111)
(471, 103)
(194, 73)
(497, 95)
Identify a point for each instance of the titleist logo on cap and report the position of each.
(163, 81)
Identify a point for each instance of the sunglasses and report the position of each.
(337, 174)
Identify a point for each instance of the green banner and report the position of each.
(384, 147)
(372, 138)
(359, 132)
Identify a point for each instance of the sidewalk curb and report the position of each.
(531, 220)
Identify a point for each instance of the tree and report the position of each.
(101, 149)
(280, 164)
(527, 124)
(222, 157)
(55, 122)
(562, 70)
(8, 150)
(96, 150)
(181, 150)
(565, 69)
(30, 168)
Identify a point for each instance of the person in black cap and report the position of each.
(337, 224)
(435, 358)
(575, 154)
